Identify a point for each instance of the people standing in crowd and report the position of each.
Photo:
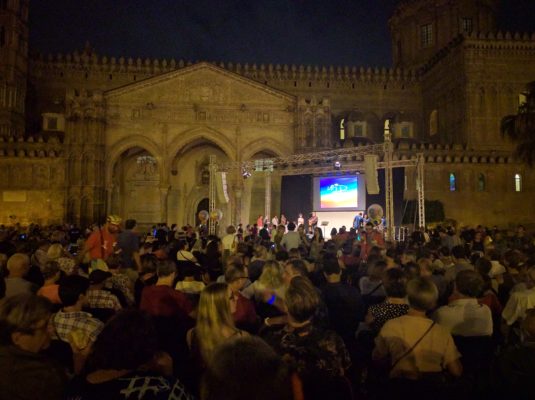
(102, 241)
(18, 266)
(291, 239)
(415, 346)
(126, 363)
(71, 320)
(50, 289)
(26, 373)
(507, 277)
(128, 243)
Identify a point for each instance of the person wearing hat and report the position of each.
(102, 241)
(97, 297)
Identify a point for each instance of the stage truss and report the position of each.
(351, 160)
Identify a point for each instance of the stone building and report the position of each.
(83, 134)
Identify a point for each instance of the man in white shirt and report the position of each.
(464, 316)
(292, 239)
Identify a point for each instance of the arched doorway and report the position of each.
(136, 187)
(203, 205)
(190, 177)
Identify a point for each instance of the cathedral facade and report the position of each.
(82, 135)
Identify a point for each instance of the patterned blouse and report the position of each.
(311, 350)
(384, 312)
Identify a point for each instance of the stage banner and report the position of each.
(370, 169)
(222, 189)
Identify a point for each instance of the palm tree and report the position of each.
(520, 128)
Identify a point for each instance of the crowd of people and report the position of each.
(265, 312)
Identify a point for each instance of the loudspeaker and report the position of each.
(370, 170)
(221, 186)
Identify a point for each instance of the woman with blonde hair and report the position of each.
(269, 281)
(214, 324)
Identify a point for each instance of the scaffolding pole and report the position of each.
(267, 204)
(211, 195)
(420, 189)
(389, 191)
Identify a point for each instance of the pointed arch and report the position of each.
(202, 133)
(271, 145)
(127, 143)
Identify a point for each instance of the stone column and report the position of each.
(237, 205)
(109, 193)
(164, 191)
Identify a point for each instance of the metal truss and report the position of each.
(349, 161)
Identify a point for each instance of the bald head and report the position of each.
(18, 265)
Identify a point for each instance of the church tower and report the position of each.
(13, 66)
(420, 28)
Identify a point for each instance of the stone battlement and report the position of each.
(518, 42)
(93, 63)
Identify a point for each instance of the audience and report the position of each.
(125, 363)
(464, 316)
(71, 320)
(313, 297)
(24, 332)
(51, 275)
(18, 266)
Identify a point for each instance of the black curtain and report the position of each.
(398, 175)
(296, 196)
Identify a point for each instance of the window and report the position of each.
(342, 129)
(518, 183)
(467, 25)
(386, 130)
(359, 129)
(426, 35)
(481, 184)
(453, 182)
(52, 124)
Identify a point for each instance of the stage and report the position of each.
(336, 220)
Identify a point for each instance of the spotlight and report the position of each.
(245, 174)
(337, 165)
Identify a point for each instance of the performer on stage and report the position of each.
(312, 221)
(260, 222)
(275, 221)
(284, 221)
(357, 222)
(300, 220)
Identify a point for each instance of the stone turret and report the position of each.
(420, 28)
(13, 66)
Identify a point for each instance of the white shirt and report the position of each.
(517, 305)
(228, 241)
(465, 317)
(291, 240)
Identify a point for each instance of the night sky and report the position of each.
(332, 32)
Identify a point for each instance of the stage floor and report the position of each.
(336, 219)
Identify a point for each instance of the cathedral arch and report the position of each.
(206, 134)
(265, 145)
(127, 143)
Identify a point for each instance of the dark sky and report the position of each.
(325, 32)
